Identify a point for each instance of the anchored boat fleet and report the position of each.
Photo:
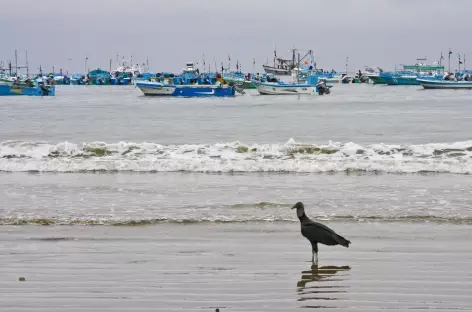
(296, 76)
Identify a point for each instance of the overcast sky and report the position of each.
(169, 33)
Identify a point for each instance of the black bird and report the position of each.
(317, 233)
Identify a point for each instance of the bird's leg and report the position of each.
(314, 257)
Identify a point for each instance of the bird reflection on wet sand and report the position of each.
(322, 283)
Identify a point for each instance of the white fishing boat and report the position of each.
(280, 66)
(275, 86)
(155, 88)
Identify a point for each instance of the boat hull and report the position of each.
(245, 84)
(6, 90)
(402, 81)
(120, 81)
(444, 84)
(376, 79)
(159, 89)
(275, 89)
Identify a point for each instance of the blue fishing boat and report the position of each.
(99, 77)
(60, 79)
(29, 88)
(400, 78)
(145, 77)
(79, 79)
(240, 79)
(178, 87)
(448, 81)
(409, 74)
(121, 78)
(188, 84)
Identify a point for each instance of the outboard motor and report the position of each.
(44, 89)
(238, 89)
(322, 88)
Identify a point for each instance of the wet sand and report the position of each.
(236, 267)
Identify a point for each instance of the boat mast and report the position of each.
(449, 60)
(27, 66)
(203, 62)
(275, 54)
(293, 56)
(459, 58)
(298, 69)
(347, 60)
(16, 63)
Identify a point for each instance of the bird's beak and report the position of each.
(293, 207)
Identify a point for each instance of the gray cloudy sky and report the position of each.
(169, 33)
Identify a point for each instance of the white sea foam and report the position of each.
(18, 156)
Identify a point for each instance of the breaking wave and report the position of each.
(21, 156)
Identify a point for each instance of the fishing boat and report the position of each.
(361, 77)
(409, 74)
(152, 88)
(125, 74)
(28, 87)
(240, 79)
(99, 77)
(270, 85)
(147, 76)
(6, 79)
(280, 66)
(79, 79)
(60, 79)
(121, 78)
(374, 75)
(190, 83)
(448, 81)
(400, 78)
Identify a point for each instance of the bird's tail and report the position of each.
(342, 241)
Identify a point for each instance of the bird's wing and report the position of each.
(319, 226)
(321, 233)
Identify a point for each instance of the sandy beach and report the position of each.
(235, 267)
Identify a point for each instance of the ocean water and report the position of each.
(113, 201)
